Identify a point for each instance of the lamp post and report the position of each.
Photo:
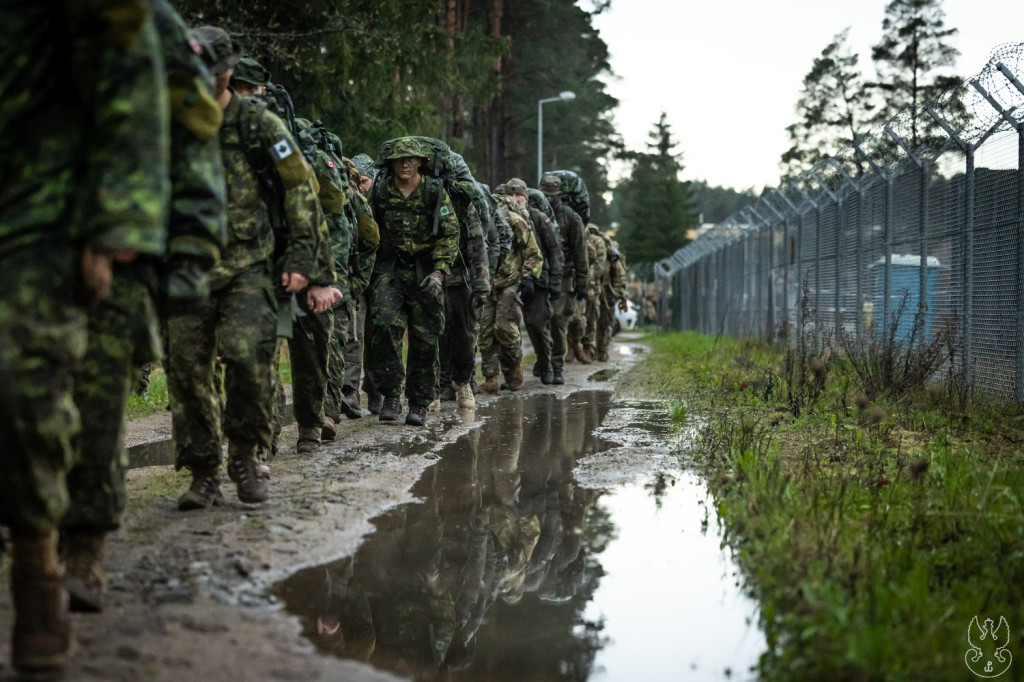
(564, 96)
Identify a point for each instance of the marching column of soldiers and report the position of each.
(163, 201)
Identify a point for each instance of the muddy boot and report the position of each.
(464, 394)
(390, 409)
(309, 440)
(374, 403)
(490, 385)
(417, 415)
(602, 356)
(204, 491)
(41, 635)
(84, 578)
(514, 378)
(448, 393)
(329, 431)
(251, 480)
(591, 353)
(547, 377)
(556, 377)
(435, 406)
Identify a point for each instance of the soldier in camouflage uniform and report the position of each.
(356, 368)
(538, 312)
(407, 286)
(614, 294)
(240, 321)
(466, 287)
(574, 272)
(84, 161)
(123, 329)
(583, 333)
(501, 346)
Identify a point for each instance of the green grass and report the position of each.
(871, 534)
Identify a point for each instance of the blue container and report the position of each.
(905, 279)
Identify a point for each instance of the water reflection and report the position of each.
(492, 574)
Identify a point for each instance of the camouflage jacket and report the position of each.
(84, 147)
(406, 229)
(597, 255)
(250, 233)
(574, 248)
(472, 266)
(362, 257)
(333, 180)
(550, 248)
(524, 259)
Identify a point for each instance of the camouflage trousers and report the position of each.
(605, 321)
(355, 337)
(457, 347)
(309, 348)
(396, 303)
(123, 335)
(537, 314)
(239, 323)
(565, 310)
(42, 339)
(501, 343)
(337, 363)
(589, 321)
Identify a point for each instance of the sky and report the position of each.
(728, 73)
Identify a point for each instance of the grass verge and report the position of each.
(872, 531)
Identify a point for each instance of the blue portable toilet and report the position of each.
(905, 277)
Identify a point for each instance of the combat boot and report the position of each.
(350, 403)
(514, 378)
(374, 403)
(591, 353)
(581, 354)
(557, 378)
(464, 394)
(329, 431)
(390, 410)
(83, 564)
(417, 415)
(251, 480)
(537, 371)
(42, 634)
(602, 356)
(448, 392)
(204, 491)
(490, 385)
(309, 440)
(547, 377)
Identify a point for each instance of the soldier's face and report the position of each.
(407, 167)
(365, 183)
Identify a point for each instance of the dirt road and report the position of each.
(188, 592)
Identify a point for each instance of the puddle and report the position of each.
(154, 453)
(508, 568)
(603, 375)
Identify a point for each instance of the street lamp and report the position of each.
(564, 96)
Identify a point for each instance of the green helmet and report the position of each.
(220, 52)
(364, 164)
(248, 70)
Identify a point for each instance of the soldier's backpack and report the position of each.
(575, 192)
(444, 170)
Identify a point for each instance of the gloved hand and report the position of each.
(581, 294)
(433, 284)
(553, 294)
(526, 289)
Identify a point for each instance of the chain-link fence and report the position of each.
(917, 228)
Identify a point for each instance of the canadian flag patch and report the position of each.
(330, 164)
(282, 149)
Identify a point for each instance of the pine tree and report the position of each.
(833, 108)
(657, 207)
(914, 58)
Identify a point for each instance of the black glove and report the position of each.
(553, 294)
(526, 290)
(581, 294)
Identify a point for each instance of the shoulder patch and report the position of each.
(282, 149)
(445, 211)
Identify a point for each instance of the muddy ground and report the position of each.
(188, 592)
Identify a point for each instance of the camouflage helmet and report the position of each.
(251, 71)
(364, 164)
(220, 52)
(551, 185)
(516, 186)
(406, 146)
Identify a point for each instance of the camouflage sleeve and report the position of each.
(548, 235)
(302, 211)
(128, 158)
(361, 258)
(618, 279)
(446, 243)
(477, 261)
(504, 231)
(533, 262)
(579, 249)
